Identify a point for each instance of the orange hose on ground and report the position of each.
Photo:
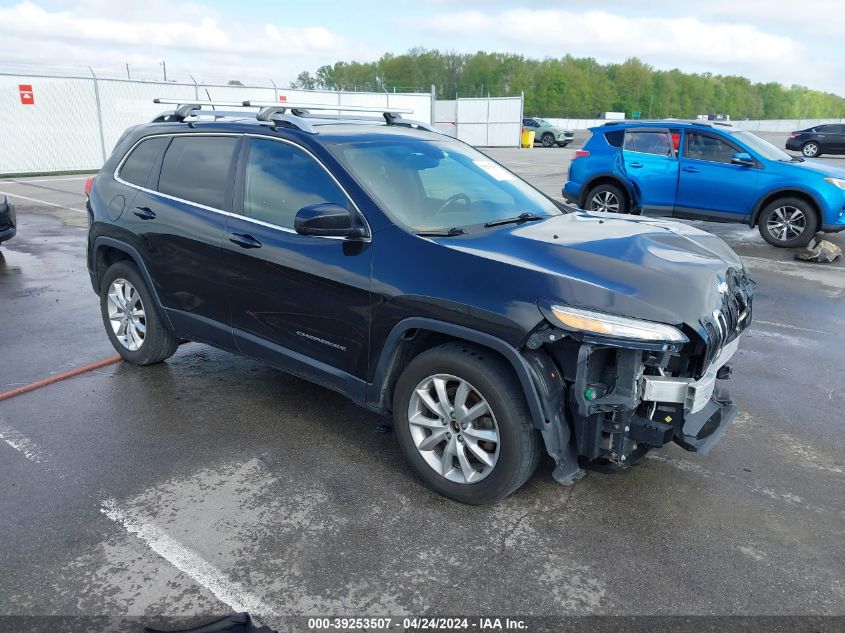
(58, 377)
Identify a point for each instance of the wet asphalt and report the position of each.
(212, 482)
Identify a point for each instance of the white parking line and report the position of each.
(792, 327)
(50, 204)
(22, 444)
(231, 593)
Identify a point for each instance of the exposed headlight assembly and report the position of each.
(837, 182)
(612, 326)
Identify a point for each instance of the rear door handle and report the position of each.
(635, 165)
(690, 170)
(145, 213)
(244, 240)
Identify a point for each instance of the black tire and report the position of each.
(548, 139)
(159, 343)
(604, 195)
(770, 224)
(519, 448)
(811, 149)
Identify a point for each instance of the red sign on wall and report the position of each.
(282, 98)
(27, 96)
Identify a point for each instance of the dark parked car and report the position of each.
(8, 222)
(815, 141)
(411, 273)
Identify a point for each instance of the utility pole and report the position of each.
(128, 76)
(164, 69)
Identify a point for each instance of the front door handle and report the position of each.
(145, 213)
(244, 240)
(635, 165)
(690, 170)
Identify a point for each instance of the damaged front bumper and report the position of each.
(620, 402)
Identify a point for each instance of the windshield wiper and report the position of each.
(454, 231)
(522, 217)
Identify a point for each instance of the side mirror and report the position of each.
(742, 158)
(326, 219)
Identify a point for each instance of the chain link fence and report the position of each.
(67, 123)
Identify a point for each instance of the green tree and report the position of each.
(576, 86)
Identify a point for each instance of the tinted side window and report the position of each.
(136, 168)
(196, 168)
(281, 179)
(615, 138)
(649, 142)
(704, 147)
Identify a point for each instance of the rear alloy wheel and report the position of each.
(606, 199)
(127, 315)
(460, 416)
(788, 223)
(811, 149)
(548, 140)
(131, 319)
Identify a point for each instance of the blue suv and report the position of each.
(411, 273)
(710, 172)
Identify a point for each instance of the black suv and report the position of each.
(413, 274)
(815, 141)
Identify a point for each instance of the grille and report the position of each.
(732, 317)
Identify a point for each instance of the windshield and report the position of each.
(437, 185)
(764, 148)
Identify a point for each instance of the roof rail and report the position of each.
(701, 122)
(284, 113)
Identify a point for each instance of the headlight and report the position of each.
(615, 326)
(837, 182)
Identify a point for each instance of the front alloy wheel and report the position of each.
(786, 223)
(461, 418)
(127, 316)
(453, 428)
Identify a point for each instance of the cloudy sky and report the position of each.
(766, 40)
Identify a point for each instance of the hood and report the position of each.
(825, 169)
(627, 265)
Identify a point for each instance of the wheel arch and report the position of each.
(109, 251)
(414, 335)
(785, 192)
(607, 179)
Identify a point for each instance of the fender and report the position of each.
(375, 389)
(139, 263)
(624, 182)
(758, 206)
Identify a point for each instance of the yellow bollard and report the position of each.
(527, 139)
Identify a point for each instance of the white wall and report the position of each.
(65, 131)
(484, 122)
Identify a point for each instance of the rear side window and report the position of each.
(196, 169)
(649, 142)
(281, 179)
(615, 138)
(136, 168)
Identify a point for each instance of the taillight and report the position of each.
(581, 153)
(89, 182)
(794, 134)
